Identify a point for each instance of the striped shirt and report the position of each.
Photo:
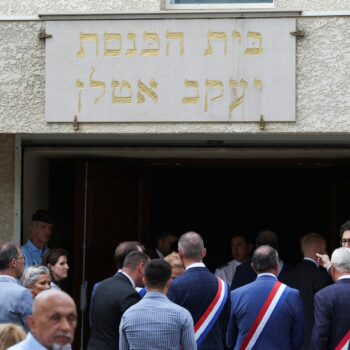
(156, 323)
(34, 255)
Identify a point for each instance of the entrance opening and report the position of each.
(96, 204)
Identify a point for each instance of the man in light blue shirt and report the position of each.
(52, 324)
(41, 230)
(15, 300)
(155, 322)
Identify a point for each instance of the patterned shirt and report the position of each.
(34, 255)
(156, 323)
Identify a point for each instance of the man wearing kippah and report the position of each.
(36, 246)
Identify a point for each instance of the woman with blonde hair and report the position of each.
(175, 262)
(36, 279)
(10, 334)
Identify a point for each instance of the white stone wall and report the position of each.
(323, 93)
(33, 7)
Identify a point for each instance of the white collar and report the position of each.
(342, 277)
(198, 264)
(131, 280)
(267, 274)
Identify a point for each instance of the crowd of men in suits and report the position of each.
(267, 305)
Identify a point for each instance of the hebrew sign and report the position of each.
(214, 70)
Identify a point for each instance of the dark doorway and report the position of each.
(99, 203)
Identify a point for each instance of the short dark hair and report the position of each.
(157, 273)
(265, 259)
(343, 228)
(52, 256)
(245, 235)
(267, 237)
(8, 252)
(133, 259)
(42, 215)
(123, 249)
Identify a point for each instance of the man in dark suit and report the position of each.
(245, 274)
(112, 298)
(266, 314)
(332, 306)
(196, 289)
(309, 278)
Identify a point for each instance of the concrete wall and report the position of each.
(7, 170)
(33, 7)
(323, 95)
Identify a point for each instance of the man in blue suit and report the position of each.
(266, 314)
(332, 306)
(15, 300)
(203, 294)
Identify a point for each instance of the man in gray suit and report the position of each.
(15, 300)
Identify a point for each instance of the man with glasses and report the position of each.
(15, 300)
(344, 233)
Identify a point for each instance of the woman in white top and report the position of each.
(57, 262)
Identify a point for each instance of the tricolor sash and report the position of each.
(345, 342)
(273, 301)
(211, 314)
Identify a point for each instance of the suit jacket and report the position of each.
(195, 290)
(332, 315)
(112, 298)
(15, 302)
(308, 278)
(285, 327)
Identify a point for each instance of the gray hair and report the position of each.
(191, 245)
(32, 274)
(341, 260)
(265, 259)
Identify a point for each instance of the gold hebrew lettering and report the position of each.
(237, 99)
(237, 36)
(258, 84)
(256, 39)
(143, 89)
(132, 38)
(95, 84)
(151, 39)
(213, 84)
(215, 36)
(123, 85)
(80, 85)
(175, 36)
(192, 84)
(109, 37)
(87, 37)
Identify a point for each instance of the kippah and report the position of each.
(42, 215)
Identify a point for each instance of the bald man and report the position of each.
(52, 324)
(308, 277)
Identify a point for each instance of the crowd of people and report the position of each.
(170, 300)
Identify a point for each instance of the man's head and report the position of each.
(191, 248)
(311, 244)
(41, 228)
(134, 264)
(53, 320)
(123, 249)
(165, 243)
(11, 260)
(241, 248)
(265, 259)
(157, 275)
(340, 263)
(345, 234)
(267, 237)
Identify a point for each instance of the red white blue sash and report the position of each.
(345, 342)
(273, 301)
(208, 319)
